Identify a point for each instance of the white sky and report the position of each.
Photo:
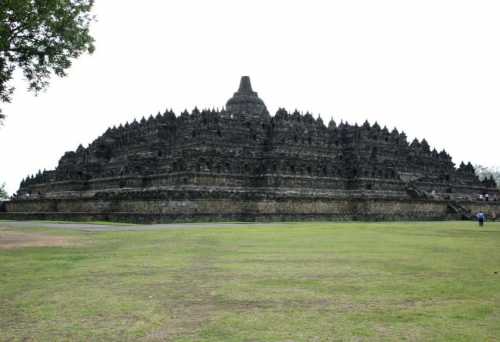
(430, 68)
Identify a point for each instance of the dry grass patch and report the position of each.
(14, 240)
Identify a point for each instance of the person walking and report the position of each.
(493, 216)
(481, 218)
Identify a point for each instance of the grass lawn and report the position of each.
(291, 282)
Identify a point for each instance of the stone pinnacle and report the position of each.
(245, 85)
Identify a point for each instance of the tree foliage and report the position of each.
(3, 192)
(488, 171)
(41, 37)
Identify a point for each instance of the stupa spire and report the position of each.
(245, 85)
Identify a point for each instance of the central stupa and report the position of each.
(246, 101)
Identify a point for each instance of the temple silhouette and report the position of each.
(242, 163)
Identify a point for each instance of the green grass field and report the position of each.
(291, 282)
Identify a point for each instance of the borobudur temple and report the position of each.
(241, 163)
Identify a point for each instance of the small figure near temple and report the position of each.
(481, 217)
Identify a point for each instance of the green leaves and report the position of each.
(41, 37)
(3, 192)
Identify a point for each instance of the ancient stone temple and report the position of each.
(241, 163)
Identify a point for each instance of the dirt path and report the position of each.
(13, 240)
(95, 227)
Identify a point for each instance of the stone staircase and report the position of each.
(456, 208)
(413, 192)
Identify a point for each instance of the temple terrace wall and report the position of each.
(234, 209)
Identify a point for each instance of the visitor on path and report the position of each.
(493, 216)
(481, 218)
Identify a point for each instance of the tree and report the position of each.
(487, 172)
(3, 192)
(41, 37)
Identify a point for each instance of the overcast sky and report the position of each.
(430, 68)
